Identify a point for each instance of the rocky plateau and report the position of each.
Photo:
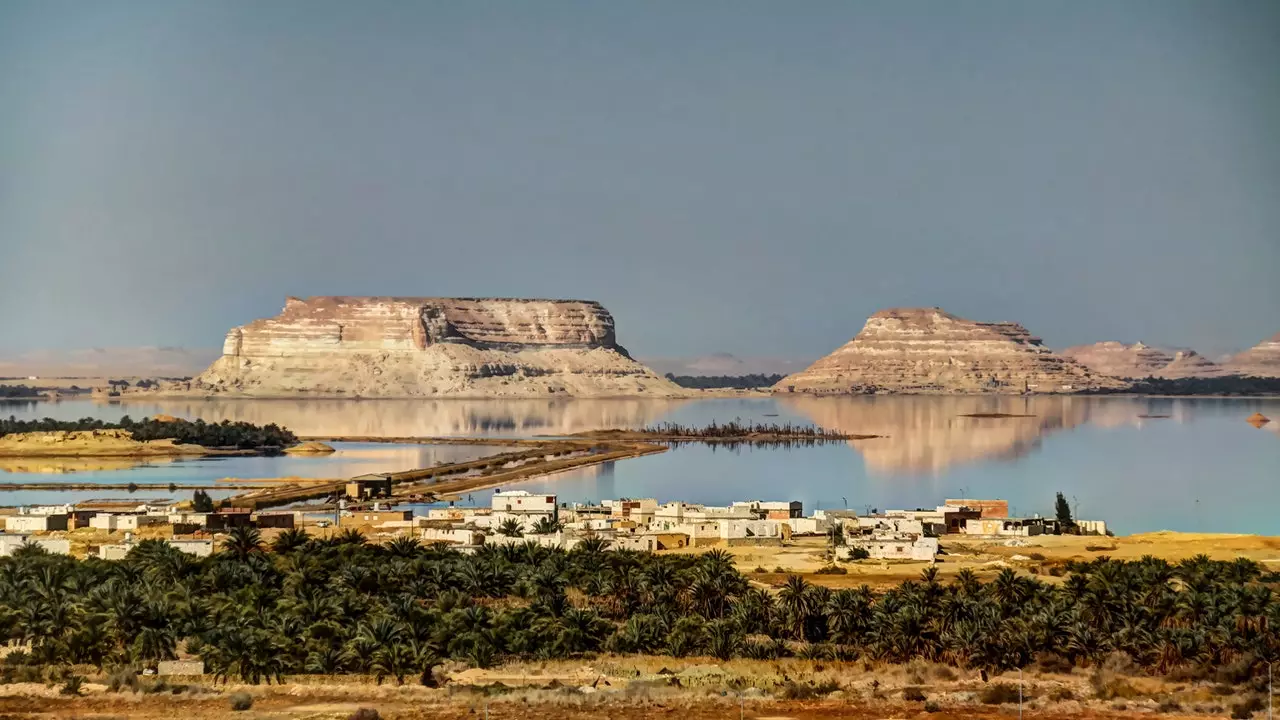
(1261, 360)
(929, 351)
(1138, 361)
(421, 347)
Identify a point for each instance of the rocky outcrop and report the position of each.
(1142, 361)
(1261, 360)
(929, 351)
(413, 347)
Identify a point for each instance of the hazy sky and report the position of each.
(751, 177)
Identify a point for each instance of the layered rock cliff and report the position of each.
(929, 351)
(411, 347)
(1261, 360)
(1142, 361)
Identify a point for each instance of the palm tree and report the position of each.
(547, 526)
(243, 541)
(511, 527)
(403, 547)
(796, 602)
(290, 540)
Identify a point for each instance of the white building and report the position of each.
(456, 536)
(198, 548)
(1092, 527)
(778, 530)
(9, 543)
(113, 521)
(115, 551)
(895, 547)
(525, 507)
(809, 526)
(35, 523)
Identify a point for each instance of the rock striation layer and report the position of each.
(1261, 360)
(412, 347)
(929, 351)
(1142, 361)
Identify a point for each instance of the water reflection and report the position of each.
(921, 434)
(60, 466)
(400, 418)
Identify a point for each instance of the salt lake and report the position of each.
(1142, 464)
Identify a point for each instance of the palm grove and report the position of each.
(395, 611)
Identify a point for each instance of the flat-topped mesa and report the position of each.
(416, 346)
(320, 325)
(1261, 360)
(929, 351)
(1139, 361)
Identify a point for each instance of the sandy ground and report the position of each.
(626, 687)
(986, 557)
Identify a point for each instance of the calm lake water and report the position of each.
(1190, 464)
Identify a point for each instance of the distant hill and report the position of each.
(111, 361)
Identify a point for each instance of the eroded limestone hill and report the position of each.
(929, 351)
(1138, 360)
(415, 347)
(1261, 360)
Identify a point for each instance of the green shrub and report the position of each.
(241, 701)
(72, 686)
(831, 570)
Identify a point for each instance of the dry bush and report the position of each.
(241, 701)
(1062, 693)
(1053, 663)
(1000, 693)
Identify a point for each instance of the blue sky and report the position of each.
(750, 177)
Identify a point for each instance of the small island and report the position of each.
(149, 437)
(728, 433)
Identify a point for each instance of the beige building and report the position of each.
(35, 523)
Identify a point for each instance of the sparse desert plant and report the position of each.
(241, 701)
(932, 707)
(123, 678)
(365, 713)
(1061, 693)
(1000, 693)
(792, 690)
(1169, 705)
(1246, 708)
(914, 694)
(72, 686)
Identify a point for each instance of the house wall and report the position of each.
(35, 523)
(198, 548)
(989, 508)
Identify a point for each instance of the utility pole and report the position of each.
(1019, 693)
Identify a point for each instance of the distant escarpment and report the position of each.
(414, 347)
(1261, 360)
(929, 351)
(1143, 361)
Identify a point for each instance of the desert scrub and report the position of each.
(1000, 693)
(241, 701)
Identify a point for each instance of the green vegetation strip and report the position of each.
(340, 605)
